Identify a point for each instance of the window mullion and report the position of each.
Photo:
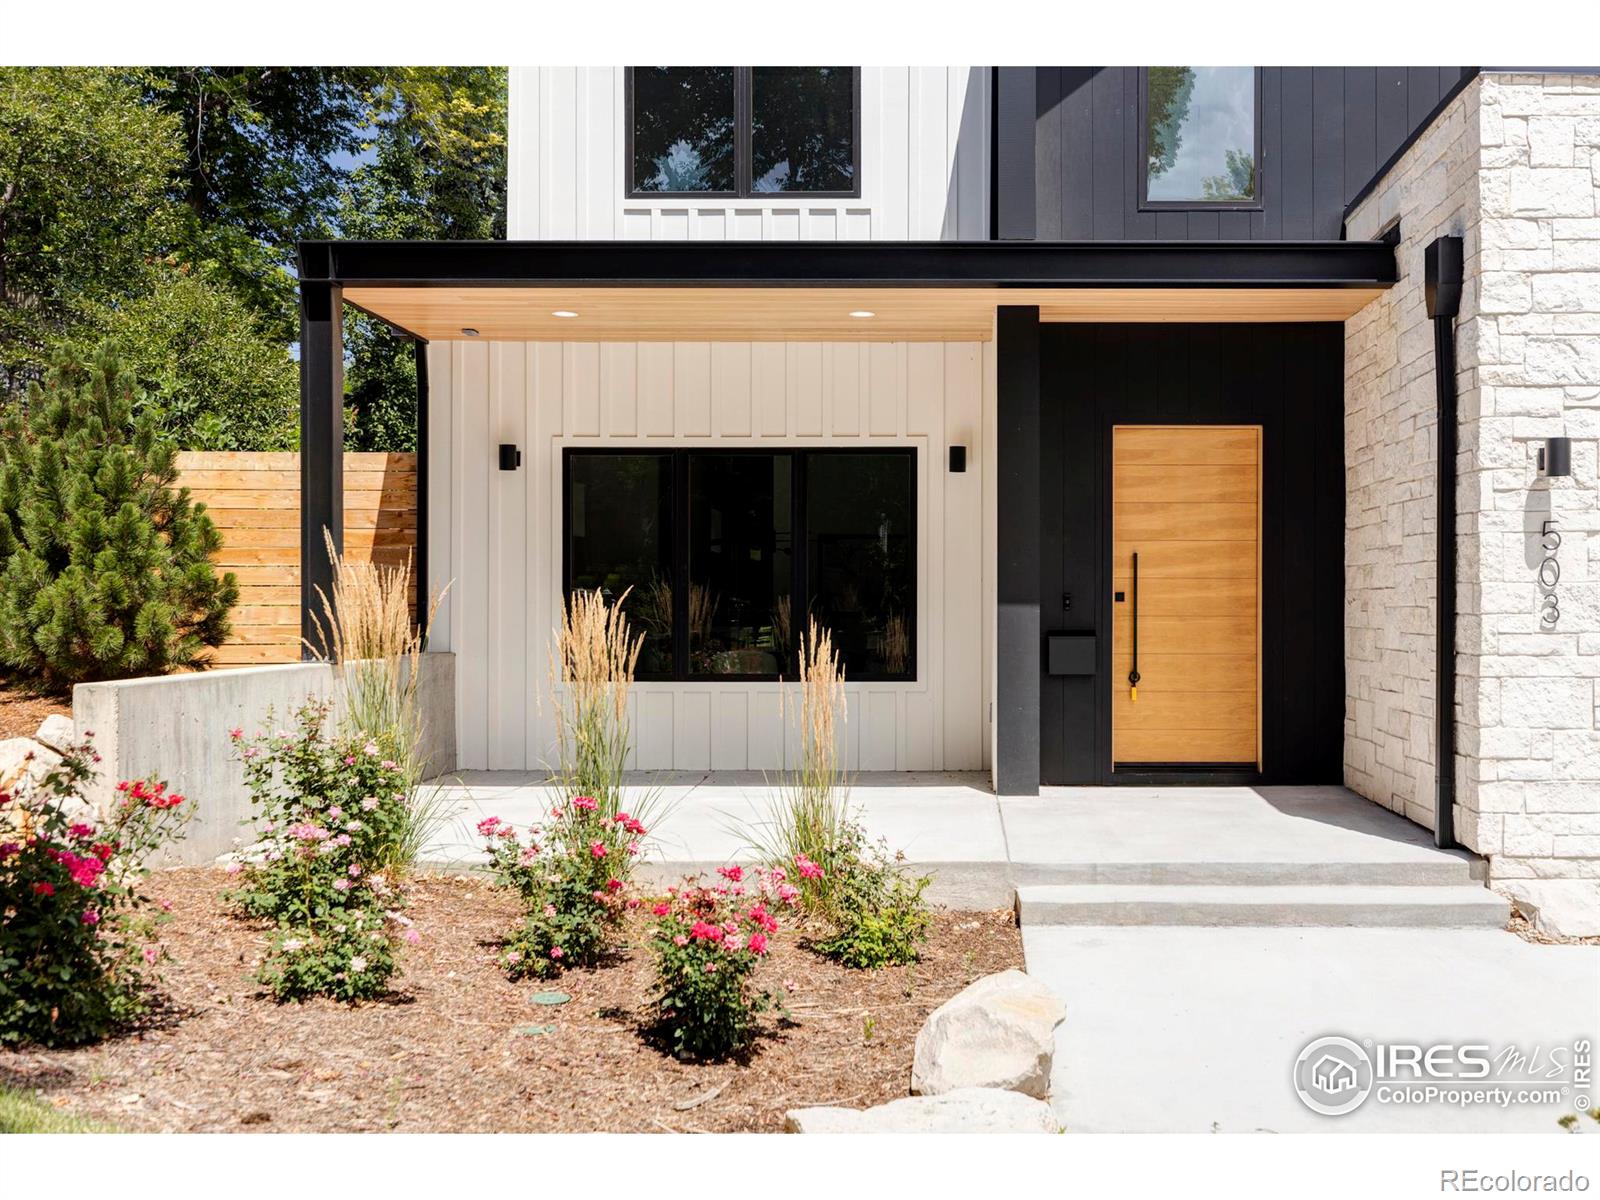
(680, 565)
(743, 185)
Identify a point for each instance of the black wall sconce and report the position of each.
(958, 460)
(1555, 457)
(510, 456)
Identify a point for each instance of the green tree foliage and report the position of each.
(85, 170)
(107, 572)
(161, 207)
(1166, 109)
(265, 158)
(434, 166)
(201, 358)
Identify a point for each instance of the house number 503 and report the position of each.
(1549, 576)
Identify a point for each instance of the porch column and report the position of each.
(1016, 694)
(321, 445)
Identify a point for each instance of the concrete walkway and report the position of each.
(699, 822)
(1189, 1030)
(982, 847)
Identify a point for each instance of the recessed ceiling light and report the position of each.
(862, 313)
(563, 312)
(469, 331)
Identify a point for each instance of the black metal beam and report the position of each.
(420, 563)
(321, 447)
(1015, 185)
(849, 264)
(1017, 631)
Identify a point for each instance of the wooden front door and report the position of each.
(1186, 596)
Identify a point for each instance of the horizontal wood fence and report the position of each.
(254, 499)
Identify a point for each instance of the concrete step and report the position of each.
(1433, 869)
(1450, 906)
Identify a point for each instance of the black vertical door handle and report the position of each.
(1133, 675)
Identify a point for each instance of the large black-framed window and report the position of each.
(724, 554)
(743, 132)
(1200, 138)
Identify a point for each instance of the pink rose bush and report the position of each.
(330, 808)
(77, 934)
(708, 940)
(869, 905)
(572, 874)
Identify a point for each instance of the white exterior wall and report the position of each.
(1514, 167)
(495, 536)
(924, 165)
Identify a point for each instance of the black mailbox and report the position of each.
(1070, 653)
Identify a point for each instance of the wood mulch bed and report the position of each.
(458, 1048)
(21, 710)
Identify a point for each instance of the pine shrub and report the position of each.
(105, 568)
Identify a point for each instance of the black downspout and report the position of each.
(1442, 291)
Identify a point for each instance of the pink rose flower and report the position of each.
(90, 917)
(598, 849)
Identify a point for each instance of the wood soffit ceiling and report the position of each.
(643, 314)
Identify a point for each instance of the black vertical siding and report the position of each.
(1287, 378)
(1324, 132)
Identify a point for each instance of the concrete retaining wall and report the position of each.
(175, 727)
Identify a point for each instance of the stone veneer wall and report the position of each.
(1513, 166)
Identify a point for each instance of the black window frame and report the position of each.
(679, 537)
(1258, 150)
(743, 182)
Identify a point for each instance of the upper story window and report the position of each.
(1200, 129)
(744, 131)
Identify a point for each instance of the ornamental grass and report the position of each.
(594, 655)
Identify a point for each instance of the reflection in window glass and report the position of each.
(683, 129)
(802, 129)
(618, 537)
(1200, 133)
(860, 563)
(741, 558)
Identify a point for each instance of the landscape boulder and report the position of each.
(997, 1033)
(23, 759)
(56, 732)
(965, 1110)
(1559, 908)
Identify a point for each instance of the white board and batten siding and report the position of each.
(924, 165)
(498, 540)
(495, 536)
